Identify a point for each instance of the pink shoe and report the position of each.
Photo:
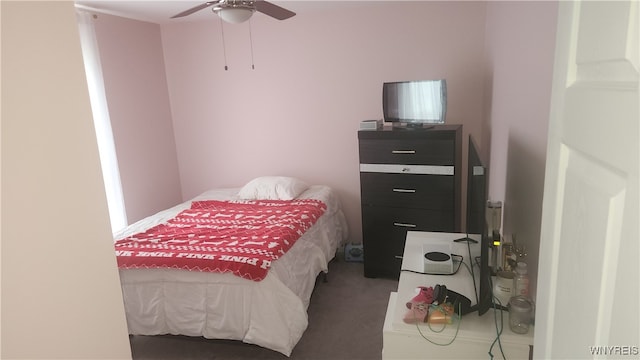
(425, 296)
(417, 313)
(419, 306)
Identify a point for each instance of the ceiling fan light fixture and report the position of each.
(234, 15)
(238, 11)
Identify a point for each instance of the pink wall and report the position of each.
(136, 89)
(316, 77)
(520, 49)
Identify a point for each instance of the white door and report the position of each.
(588, 280)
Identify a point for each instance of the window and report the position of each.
(102, 122)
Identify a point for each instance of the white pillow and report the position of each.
(273, 188)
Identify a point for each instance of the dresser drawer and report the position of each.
(384, 230)
(415, 151)
(409, 191)
(391, 219)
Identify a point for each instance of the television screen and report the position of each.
(415, 102)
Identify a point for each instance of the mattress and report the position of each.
(271, 313)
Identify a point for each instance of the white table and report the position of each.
(475, 334)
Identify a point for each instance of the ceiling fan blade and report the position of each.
(194, 9)
(273, 10)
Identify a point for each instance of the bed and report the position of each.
(270, 312)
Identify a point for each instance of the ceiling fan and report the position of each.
(237, 11)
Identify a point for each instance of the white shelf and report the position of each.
(475, 334)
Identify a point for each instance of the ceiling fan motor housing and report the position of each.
(233, 11)
(234, 4)
(237, 11)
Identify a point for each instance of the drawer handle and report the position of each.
(404, 225)
(399, 257)
(404, 190)
(403, 151)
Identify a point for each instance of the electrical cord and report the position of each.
(499, 327)
(461, 261)
(439, 308)
(468, 268)
(473, 275)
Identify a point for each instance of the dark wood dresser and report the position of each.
(410, 179)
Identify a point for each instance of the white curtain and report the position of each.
(102, 122)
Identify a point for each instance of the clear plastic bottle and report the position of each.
(521, 281)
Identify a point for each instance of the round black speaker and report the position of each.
(437, 256)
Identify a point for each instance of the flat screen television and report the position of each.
(477, 177)
(415, 103)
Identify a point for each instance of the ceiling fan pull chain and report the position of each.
(251, 41)
(224, 46)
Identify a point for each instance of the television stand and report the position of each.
(474, 337)
(467, 239)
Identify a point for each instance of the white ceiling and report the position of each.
(161, 11)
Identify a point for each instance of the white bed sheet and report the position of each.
(271, 313)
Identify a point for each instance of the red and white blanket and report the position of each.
(241, 237)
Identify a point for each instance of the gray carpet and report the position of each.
(346, 315)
